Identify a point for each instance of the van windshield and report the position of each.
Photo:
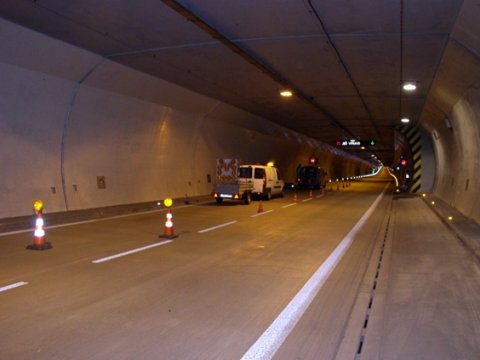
(245, 172)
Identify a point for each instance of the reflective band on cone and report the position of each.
(168, 229)
(39, 242)
(260, 206)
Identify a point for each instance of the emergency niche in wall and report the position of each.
(101, 184)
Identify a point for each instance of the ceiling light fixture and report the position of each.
(409, 86)
(405, 120)
(286, 93)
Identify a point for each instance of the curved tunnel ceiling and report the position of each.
(344, 60)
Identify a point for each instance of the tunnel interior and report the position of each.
(94, 118)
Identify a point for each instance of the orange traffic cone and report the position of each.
(310, 194)
(338, 187)
(260, 206)
(39, 242)
(294, 197)
(168, 232)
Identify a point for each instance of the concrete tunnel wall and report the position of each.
(456, 142)
(70, 118)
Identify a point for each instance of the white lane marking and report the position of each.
(98, 261)
(319, 196)
(288, 205)
(13, 286)
(216, 227)
(270, 341)
(261, 213)
(307, 199)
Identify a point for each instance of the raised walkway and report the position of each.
(426, 302)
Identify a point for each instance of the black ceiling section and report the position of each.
(344, 59)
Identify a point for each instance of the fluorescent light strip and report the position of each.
(270, 341)
(108, 258)
(217, 227)
(13, 286)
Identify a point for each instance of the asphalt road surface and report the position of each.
(235, 283)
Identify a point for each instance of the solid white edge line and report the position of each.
(216, 227)
(288, 205)
(101, 219)
(13, 286)
(270, 341)
(98, 261)
(261, 213)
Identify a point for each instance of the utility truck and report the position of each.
(311, 177)
(229, 184)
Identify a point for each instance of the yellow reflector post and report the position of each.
(168, 202)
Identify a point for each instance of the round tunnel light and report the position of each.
(409, 86)
(405, 120)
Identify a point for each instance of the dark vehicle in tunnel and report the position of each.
(311, 177)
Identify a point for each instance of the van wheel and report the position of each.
(268, 195)
(247, 199)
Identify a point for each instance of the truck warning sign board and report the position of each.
(227, 170)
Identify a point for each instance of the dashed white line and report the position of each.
(216, 227)
(98, 261)
(288, 205)
(307, 199)
(13, 286)
(261, 213)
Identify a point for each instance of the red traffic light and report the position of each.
(403, 162)
(313, 160)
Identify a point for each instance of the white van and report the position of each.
(266, 180)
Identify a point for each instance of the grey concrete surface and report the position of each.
(427, 305)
